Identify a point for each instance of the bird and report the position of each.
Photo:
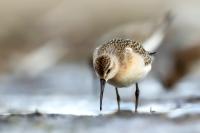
(150, 33)
(121, 63)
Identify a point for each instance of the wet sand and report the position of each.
(59, 101)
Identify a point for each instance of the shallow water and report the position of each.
(65, 98)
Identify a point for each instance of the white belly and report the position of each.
(138, 74)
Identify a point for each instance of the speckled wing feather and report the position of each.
(117, 46)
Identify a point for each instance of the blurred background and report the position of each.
(46, 62)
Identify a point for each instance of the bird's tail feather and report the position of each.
(155, 40)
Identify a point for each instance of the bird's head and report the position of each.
(106, 66)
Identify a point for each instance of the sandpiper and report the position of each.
(121, 63)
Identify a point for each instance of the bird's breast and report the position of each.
(131, 70)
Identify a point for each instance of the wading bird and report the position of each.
(121, 63)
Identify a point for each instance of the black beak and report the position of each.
(102, 83)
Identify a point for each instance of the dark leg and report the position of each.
(137, 93)
(118, 98)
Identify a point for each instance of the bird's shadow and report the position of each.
(130, 113)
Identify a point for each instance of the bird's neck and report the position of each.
(116, 64)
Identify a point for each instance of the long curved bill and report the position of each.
(102, 83)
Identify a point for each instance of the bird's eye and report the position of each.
(108, 71)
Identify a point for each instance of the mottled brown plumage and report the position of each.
(103, 62)
(118, 47)
(121, 63)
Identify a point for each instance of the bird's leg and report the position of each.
(137, 92)
(118, 98)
